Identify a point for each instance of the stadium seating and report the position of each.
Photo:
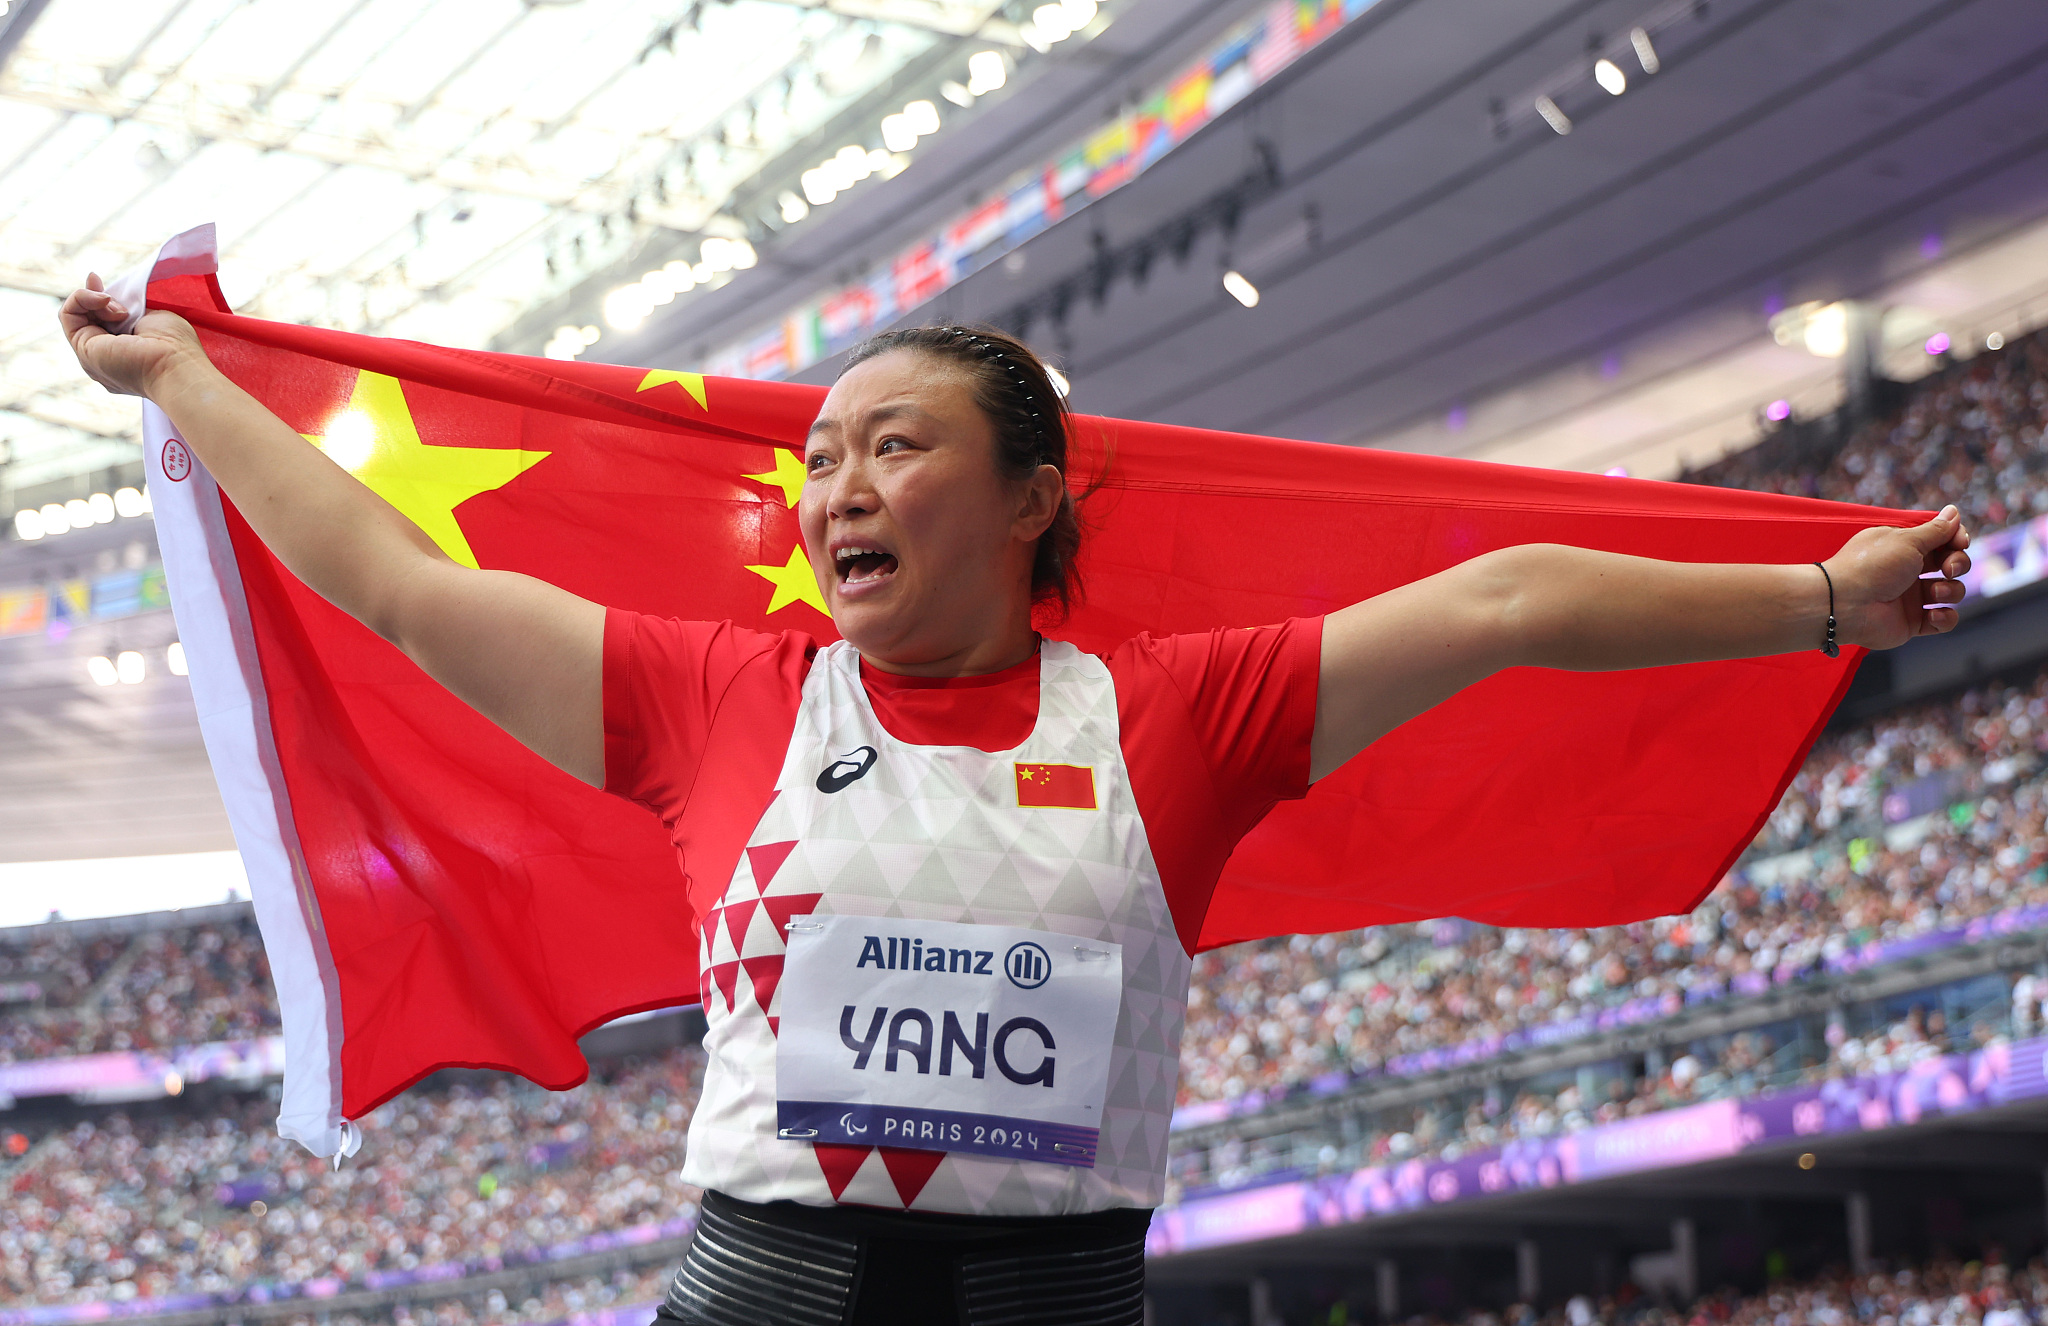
(1970, 433)
(201, 1199)
(148, 991)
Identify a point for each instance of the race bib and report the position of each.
(987, 1039)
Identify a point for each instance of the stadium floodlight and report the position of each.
(102, 507)
(923, 118)
(1051, 22)
(985, 72)
(794, 208)
(128, 667)
(627, 307)
(1241, 289)
(1609, 76)
(897, 135)
(102, 671)
(1820, 329)
(1553, 116)
(174, 659)
(129, 502)
(28, 524)
(957, 93)
(55, 521)
(79, 512)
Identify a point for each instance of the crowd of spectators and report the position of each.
(1946, 1291)
(181, 1200)
(1971, 433)
(155, 990)
(626, 1296)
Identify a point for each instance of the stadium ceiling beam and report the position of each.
(949, 20)
(114, 427)
(36, 280)
(75, 87)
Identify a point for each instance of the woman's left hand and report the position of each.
(1880, 598)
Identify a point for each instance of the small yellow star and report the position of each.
(1026, 775)
(374, 439)
(690, 382)
(788, 475)
(793, 582)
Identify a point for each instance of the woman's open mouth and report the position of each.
(860, 565)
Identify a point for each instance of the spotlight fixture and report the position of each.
(1241, 289)
(174, 659)
(101, 669)
(128, 667)
(1552, 116)
(1646, 54)
(1609, 76)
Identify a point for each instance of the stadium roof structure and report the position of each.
(1442, 267)
(418, 168)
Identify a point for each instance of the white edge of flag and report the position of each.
(212, 613)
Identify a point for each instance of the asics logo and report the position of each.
(847, 769)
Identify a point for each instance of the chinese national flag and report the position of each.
(1068, 785)
(432, 893)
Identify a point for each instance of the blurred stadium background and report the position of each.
(1798, 245)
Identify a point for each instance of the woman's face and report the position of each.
(922, 549)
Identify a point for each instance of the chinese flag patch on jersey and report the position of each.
(1069, 786)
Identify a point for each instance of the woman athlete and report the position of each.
(971, 817)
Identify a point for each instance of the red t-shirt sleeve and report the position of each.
(1216, 729)
(665, 685)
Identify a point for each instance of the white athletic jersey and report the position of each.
(934, 833)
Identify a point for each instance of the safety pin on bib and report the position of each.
(805, 926)
(796, 1134)
(1091, 954)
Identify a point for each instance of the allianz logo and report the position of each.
(1027, 965)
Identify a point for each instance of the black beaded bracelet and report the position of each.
(1828, 646)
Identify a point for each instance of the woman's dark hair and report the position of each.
(1030, 421)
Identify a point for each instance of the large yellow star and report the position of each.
(793, 582)
(788, 475)
(374, 439)
(692, 383)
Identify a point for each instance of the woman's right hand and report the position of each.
(129, 365)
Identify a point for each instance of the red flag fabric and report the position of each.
(434, 894)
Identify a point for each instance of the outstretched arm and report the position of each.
(1549, 606)
(526, 655)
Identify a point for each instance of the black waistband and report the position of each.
(786, 1264)
(1113, 1226)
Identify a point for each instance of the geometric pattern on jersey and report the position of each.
(934, 833)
